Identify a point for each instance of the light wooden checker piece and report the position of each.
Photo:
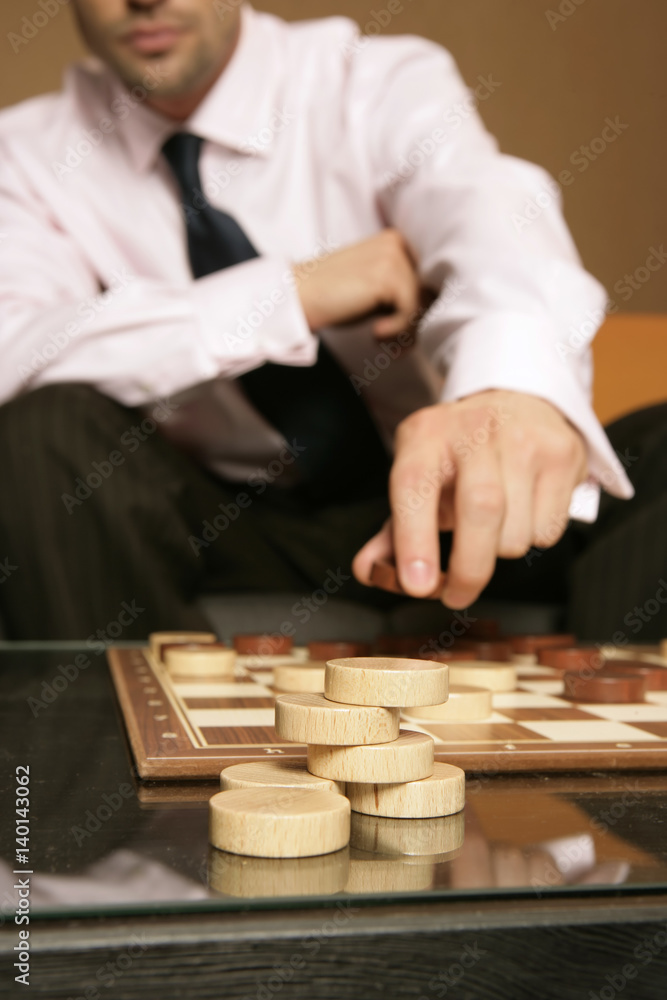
(209, 659)
(465, 704)
(388, 681)
(312, 718)
(429, 838)
(300, 678)
(441, 794)
(408, 758)
(157, 640)
(277, 774)
(273, 878)
(370, 873)
(484, 674)
(279, 822)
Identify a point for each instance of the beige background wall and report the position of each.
(559, 82)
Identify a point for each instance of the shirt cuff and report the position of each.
(518, 354)
(251, 314)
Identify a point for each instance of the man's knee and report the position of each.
(49, 419)
(60, 397)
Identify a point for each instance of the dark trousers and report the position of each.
(103, 522)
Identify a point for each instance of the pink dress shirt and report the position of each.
(315, 138)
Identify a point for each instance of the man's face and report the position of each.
(189, 39)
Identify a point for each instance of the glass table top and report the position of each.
(96, 840)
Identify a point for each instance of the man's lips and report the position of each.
(148, 41)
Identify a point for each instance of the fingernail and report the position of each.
(420, 574)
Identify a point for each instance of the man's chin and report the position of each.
(174, 72)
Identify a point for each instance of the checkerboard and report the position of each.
(185, 728)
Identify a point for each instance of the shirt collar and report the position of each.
(236, 111)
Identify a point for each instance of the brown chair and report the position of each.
(630, 354)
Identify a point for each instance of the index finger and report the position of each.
(479, 510)
(419, 472)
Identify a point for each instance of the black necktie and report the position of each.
(343, 455)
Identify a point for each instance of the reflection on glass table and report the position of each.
(515, 834)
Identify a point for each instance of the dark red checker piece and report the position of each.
(574, 658)
(385, 576)
(528, 644)
(337, 650)
(655, 677)
(605, 688)
(263, 645)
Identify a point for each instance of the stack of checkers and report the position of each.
(354, 745)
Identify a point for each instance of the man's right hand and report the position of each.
(361, 280)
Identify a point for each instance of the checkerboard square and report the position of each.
(228, 717)
(594, 731)
(543, 687)
(644, 712)
(480, 732)
(526, 699)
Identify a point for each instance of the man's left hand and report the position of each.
(497, 468)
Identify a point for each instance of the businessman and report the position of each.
(267, 312)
